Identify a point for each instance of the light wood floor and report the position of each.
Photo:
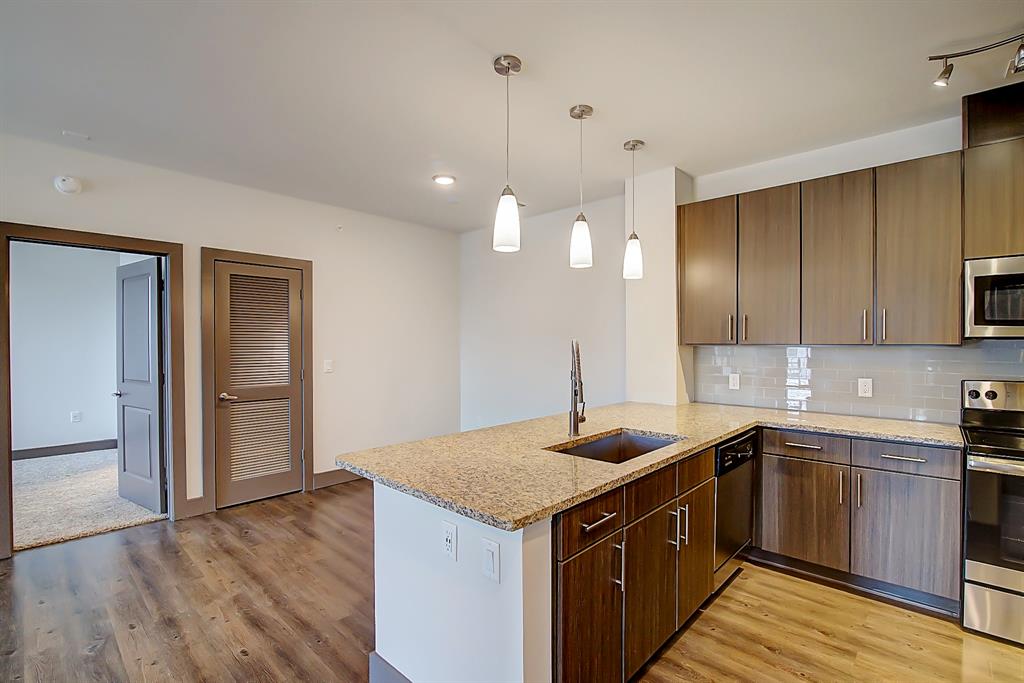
(283, 590)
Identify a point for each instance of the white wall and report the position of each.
(909, 143)
(655, 364)
(438, 619)
(519, 311)
(63, 334)
(385, 292)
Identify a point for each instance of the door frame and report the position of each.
(209, 257)
(173, 362)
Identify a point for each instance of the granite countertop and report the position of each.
(503, 477)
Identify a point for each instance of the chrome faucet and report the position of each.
(577, 405)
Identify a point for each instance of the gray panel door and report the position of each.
(140, 474)
(258, 365)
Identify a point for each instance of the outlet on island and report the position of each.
(450, 539)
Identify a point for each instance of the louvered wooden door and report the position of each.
(258, 360)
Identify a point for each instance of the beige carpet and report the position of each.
(61, 497)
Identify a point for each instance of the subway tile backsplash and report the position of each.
(910, 382)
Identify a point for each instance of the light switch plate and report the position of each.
(450, 540)
(491, 559)
(328, 367)
(76, 415)
(734, 381)
(864, 388)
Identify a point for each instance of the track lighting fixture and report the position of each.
(1016, 62)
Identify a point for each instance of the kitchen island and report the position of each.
(463, 545)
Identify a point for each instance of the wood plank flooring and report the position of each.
(282, 590)
(771, 626)
(276, 590)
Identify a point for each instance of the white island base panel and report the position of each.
(444, 619)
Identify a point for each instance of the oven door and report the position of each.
(994, 533)
(994, 297)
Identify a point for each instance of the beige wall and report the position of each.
(385, 292)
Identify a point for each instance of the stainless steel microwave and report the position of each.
(994, 297)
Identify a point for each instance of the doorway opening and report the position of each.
(87, 330)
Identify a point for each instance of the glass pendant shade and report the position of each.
(506, 222)
(581, 253)
(633, 260)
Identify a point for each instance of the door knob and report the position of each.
(117, 394)
(225, 396)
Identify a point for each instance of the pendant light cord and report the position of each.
(632, 156)
(507, 74)
(581, 164)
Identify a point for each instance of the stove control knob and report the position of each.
(991, 395)
(974, 394)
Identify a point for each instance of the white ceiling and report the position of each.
(358, 104)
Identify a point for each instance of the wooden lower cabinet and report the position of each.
(589, 614)
(905, 530)
(696, 510)
(650, 585)
(805, 510)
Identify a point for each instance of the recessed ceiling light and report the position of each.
(444, 179)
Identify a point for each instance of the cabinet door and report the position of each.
(708, 262)
(805, 510)
(696, 548)
(906, 531)
(919, 262)
(650, 585)
(769, 272)
(589, 614)
(994, 200)
(838, 259)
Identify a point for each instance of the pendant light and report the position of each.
(581, 252)
(633, 259)
(506, 218)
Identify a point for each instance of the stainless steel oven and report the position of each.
(992, 421)
(994, 297)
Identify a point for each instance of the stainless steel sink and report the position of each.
(618, 445)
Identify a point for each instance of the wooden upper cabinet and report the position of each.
(769, 266)
(708, 262)
(838, 259)
(994, 200)
(918, 251)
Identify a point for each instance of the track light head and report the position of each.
(1016, 65)
(942, 80)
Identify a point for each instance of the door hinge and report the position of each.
(300, 293)
(302, 374)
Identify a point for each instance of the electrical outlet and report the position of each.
(864, 388)
(450, 540)
(491, 566)
(734, 381)
(76, 415)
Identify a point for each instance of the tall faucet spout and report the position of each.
(577, 404)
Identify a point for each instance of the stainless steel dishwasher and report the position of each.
(734, 503)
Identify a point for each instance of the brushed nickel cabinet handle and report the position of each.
(621, 547)
(744, 327)
(883, 323)
(802, 445)
(905, 458)
(858, 490)
(731, 326)
(605, 516)
(675, 542)
(840, 488)
(864, 325)
(686, 524)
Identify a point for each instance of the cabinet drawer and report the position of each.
(648, 492)
(807, 446)
(695, 470)
(588, 522)
(906, 458)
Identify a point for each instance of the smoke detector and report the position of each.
(66, 184)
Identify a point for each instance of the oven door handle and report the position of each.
(980, 463)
